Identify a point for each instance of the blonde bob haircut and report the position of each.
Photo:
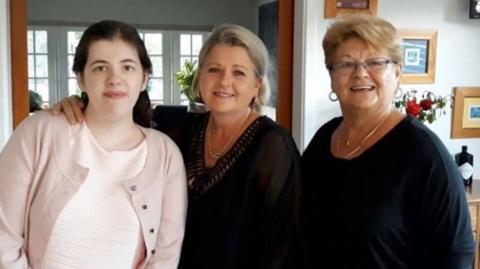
(379, 34)
(235, 35)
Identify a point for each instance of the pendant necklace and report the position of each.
(217, 155)
(347, 143)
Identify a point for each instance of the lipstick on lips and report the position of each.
(115, 94)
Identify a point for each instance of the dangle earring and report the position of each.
(398, 93)
(332, 96)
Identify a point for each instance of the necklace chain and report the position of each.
(355, 150)
(217, 155)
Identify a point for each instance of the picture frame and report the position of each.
(336, 7)
(420, 51)
(466, 112)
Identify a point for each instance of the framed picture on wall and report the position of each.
(335, 7)
(466, 112)
(420, 49)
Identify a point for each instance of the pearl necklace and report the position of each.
(347, 143)
(217, 155)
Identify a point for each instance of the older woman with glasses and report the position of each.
(387, 194)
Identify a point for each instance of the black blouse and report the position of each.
(241, 211)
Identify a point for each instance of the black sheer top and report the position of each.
(241, 211)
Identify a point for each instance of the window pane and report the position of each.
(40, 41)
(73, 38)
(155, 89)
(70, 65)
(41, 66)
(157, 66)
(153, 43)
(195, 59)
(197, 41)
(184, 100)
(183, 60)
(185, 48)
(31, 84)
(30, 41)
(73, 87)
(42, 88)
(31, 65)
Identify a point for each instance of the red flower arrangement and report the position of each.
(429, 108)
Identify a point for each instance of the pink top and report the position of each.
(100, 213)
(38, 177)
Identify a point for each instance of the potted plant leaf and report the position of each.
(184, 79)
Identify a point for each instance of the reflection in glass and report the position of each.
(31, 64)
(30, 41)
(41, 66)
(185, 48)
(42, 88)
(153, 43)
(73, 39)
(157, 66)
(197, 41)
(31, 84)
(40, 41)
(155, 89)
(73, 88)
(70, 65)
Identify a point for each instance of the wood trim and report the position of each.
(285, 63)
(458, 113)
(18, 45)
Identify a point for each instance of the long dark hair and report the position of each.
(110, 30)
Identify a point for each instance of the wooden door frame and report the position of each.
(18, 39)
(19, 60)
(285, 63)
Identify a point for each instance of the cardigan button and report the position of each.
(153, 251)
(133, 188)
(152, 230)
(144, 206)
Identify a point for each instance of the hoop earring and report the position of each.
(332, 96)
(398, 93)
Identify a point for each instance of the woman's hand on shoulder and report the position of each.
(71, 107)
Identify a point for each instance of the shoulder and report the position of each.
(273, 136)
(417, 138)
(322, 136)
(157, 139)
(42, 122)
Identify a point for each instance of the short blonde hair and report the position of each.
(235, 35)
(379, 35)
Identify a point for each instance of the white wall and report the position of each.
(173, 14)
(458, 61)
(5, 75)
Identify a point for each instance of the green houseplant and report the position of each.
(184, 80)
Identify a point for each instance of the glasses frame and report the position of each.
(386, 61)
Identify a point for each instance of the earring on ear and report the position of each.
(332, 96)
(398, 93)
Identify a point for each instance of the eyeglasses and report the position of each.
(374, 65)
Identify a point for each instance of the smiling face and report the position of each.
(373, 90)
(113, 78)
(227, 81)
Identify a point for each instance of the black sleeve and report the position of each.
(278, 166)
(169, 120)
(448, 238)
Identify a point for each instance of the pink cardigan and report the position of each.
(38, 177)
